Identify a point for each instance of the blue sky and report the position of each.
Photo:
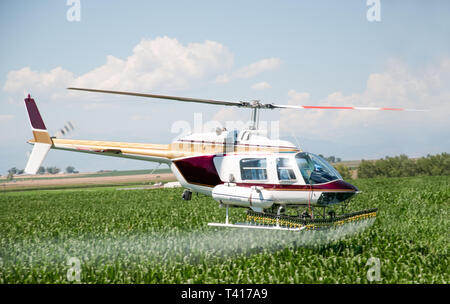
(327, 50)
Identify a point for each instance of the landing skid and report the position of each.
(267, 221)
(254, 225)
(250, 226)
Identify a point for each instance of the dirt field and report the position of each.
(79, 181)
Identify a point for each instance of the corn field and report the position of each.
(101, 235)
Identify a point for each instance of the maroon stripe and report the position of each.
(337, 185)
(33, 113)
(199, 170)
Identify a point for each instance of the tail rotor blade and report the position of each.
(66, 129)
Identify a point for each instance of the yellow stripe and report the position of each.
(42, 137)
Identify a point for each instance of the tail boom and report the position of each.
(139, 151)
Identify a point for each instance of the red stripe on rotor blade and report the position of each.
(33, 113)
(332, 108)
(392, 109)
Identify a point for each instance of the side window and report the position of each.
(284, 170)
(253, 169)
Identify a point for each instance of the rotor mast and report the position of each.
(255, 119)
(255, 105)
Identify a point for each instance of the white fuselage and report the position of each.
(259, 179)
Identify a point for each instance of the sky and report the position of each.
(284, 52)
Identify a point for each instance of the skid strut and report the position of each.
(226, 219)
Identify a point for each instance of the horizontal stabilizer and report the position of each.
(37, 156)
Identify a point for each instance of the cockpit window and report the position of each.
(314, 169)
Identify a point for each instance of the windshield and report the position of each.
(314, 169)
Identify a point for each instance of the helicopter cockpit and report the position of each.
(315, 169)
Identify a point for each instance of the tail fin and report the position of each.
(42, 141)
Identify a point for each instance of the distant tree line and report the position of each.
(14, 170)
(399, 166)
(344, 171)
(42, 170)
(331, 159)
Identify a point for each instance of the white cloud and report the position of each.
(398, 86)
(226, 114)
(161, 63)
(251, 70)
(258, 67)
(261, 86)
(26, 80)
(222, 78)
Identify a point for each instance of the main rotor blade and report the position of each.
(187, 99)
(254, 104)
(345, 108)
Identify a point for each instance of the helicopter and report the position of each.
(281, 186)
